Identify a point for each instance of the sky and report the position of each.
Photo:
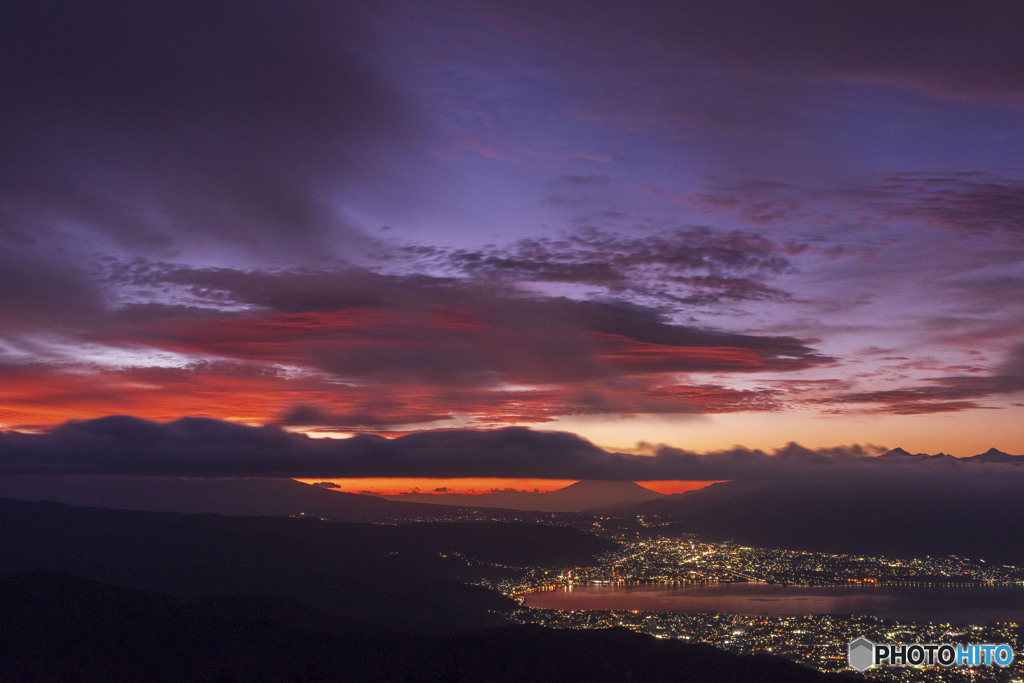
(635, 226)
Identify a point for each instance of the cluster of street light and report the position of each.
(689, 560)
(818, 641)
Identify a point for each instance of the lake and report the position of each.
(953, 604)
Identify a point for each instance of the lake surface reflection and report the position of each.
(940, 603)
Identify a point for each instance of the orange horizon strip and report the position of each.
(394, 486)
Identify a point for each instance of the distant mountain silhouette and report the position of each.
(226, 496)
(578, 497)
(717, 492)
(895, 452)
(900, 453)
(963, 514)
(59, 627)
(992, 455)
(995, 455)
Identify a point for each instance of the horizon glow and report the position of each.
(396, 486)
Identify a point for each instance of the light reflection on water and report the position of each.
(915, 603)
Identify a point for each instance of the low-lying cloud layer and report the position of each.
(202, 447)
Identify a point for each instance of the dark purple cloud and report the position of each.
(190, 123)
(781, 90)
(356, 323)
(691, 266)
(353, 350)
(944, 394)
(971, 203)
(372, 413)
(945, 47)
(921, 43)
(1009, 378)
(37, 294)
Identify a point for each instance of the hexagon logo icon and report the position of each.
(862, 654)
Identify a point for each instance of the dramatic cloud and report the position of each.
(695, 266)
(738, 84)
(348, 348)
(972, 203)
(194, 123)
(354, 322)
(391, 216)
(943, 394)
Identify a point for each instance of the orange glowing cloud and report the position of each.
(647, 357)
(260, 393)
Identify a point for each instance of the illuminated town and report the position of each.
(817, 641)
(688, 559)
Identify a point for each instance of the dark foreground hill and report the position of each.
(406, 576)
(974, 516)
(57, 627)
(251, 496)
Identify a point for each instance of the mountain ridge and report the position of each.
(971, 516)
(583, 495)
(234, 496)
